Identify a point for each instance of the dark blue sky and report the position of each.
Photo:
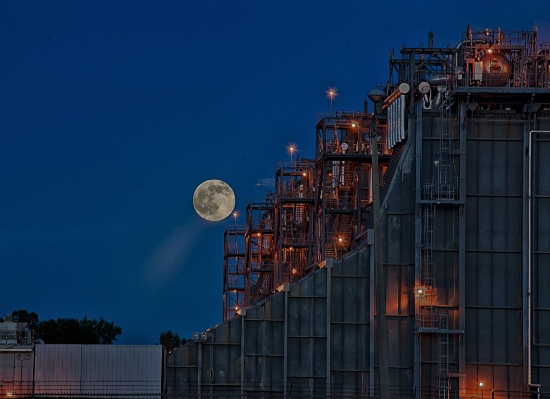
(113, 112)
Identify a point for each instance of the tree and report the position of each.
(73, 331)
(70, 330)
(171, 341)
(23, 316)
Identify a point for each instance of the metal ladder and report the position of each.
(428, 238)
(443, 358)
(446, 189)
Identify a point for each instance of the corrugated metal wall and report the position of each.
(83, 369)
(16, 369)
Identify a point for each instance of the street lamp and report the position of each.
(331, 93)
(376, 95)
(481, 385)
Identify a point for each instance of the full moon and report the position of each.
(214, 200)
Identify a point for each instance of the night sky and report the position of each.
(113, 112)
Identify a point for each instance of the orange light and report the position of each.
(353, 124)
(481, 384)
(340, 239)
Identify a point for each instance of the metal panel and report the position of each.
(57, 369)
(72, 369)
(16, 372)
(121, 369)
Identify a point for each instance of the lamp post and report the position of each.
(376, 96)
(481, 385)
(331, 93)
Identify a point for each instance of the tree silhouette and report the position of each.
(171, 341)
(69, 330)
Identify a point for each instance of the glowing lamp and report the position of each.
(419, 291)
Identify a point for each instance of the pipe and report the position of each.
(380, 282)
(417, 240)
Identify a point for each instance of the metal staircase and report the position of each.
(431, 318)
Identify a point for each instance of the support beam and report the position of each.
(463, 110)
(417, 136)
(380, 281)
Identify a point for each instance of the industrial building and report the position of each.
(462, 137)
(30, 368)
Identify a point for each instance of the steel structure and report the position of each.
(316, 212)
(465, 192)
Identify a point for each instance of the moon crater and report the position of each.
(214, 200)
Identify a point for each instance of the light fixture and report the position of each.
(344, 147)
(340, 239)
(375, 95)
(331, 93)
(419, 291)
(481, 384)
